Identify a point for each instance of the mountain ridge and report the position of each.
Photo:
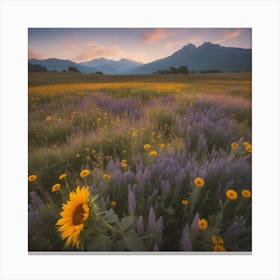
(207, 56)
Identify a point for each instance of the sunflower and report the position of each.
(84, 173)
(246, 193)
(231, 194)
(199, 182)
(32, 178)
(75, 213)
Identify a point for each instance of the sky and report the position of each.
(138, 44)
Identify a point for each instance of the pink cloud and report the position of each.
(34, 55)
(95, 50)
(232, 34)
(227, 35)
(157, 34)
(174, 45)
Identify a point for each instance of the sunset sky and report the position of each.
(139, 44)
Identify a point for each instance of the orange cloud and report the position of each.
(157, 34)
(95, 50)
(34, 55)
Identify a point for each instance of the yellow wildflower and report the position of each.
(153, 153)
(249, 148)
(219, 248)
(32, 178)
(185, 202)
(234, 145)
(62, 176)
(147, 147)
(217, 240)
(231, 194)
(84, 173)
(202, 224)
(246, 193)
(113, 203)
(55, 187)
(199, 182)
(124, 165)
(106, 177)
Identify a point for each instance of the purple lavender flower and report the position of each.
(156, 248)
(36, 200)
(152, 218)
(140, 226)
(186, 243)
(194, 225)
(131, 202)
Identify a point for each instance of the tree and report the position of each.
(73, 69)
(183, 69)
(173, 70)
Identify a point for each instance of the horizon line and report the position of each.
(123, 58)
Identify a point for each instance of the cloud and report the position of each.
(179, 43)
(95, 50)
(157, 34)
(229, 34)
(34, 55)
(232, 34)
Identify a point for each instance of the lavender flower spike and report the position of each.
(131, 202)
(186, 243)
(194, 225)
(152, 218)
(140, 226)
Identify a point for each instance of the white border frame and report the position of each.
(17, 16)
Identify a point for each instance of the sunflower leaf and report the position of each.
(111, 217)
(126, 222)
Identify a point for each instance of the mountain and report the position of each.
(109, 66)
(208, 56)
(59, 65)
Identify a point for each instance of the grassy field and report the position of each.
(165, 162)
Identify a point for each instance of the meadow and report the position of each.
(139, 163)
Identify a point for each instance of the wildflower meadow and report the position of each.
(139, 163)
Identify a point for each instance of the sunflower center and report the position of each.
(78, 215)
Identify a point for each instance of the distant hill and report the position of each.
(36, 68)
(205, 57)
(109, 66)
(54, 64)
